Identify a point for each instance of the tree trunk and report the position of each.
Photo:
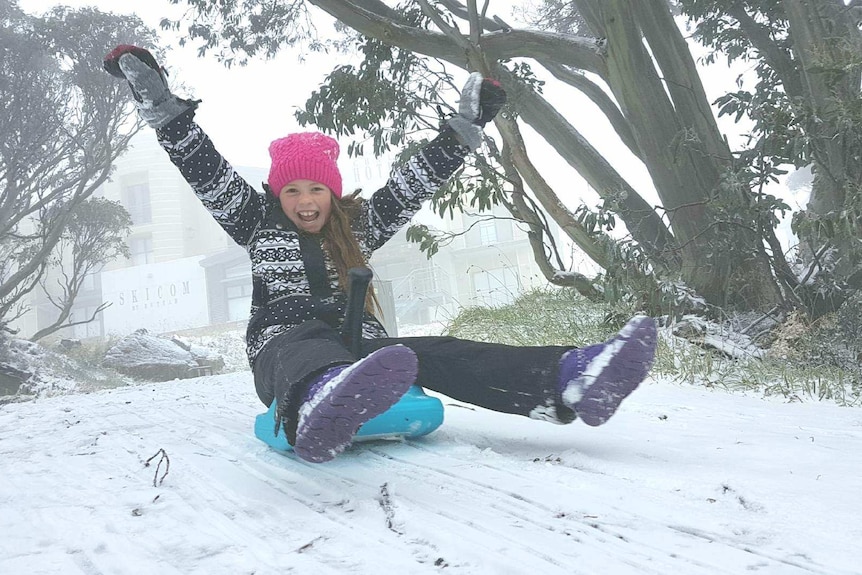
(671, 124)
(829, 46)
(682, 149)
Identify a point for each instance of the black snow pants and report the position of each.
(510, 379)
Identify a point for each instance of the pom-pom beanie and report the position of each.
(304, 156)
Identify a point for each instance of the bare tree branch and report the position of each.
(583, 53)
(63, 324)
(537, 230)
(488, 24)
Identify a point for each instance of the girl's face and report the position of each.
(307, 203)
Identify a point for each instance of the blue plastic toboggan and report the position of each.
(415, 415)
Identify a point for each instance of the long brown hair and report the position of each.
(342, 245)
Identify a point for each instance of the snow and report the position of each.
(422, 330)
(681, 480)
(731, 342)
(228, 345)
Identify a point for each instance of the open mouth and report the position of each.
(306, 216)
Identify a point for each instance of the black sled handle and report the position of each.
(351, 331)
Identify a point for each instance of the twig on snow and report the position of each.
(164, 457)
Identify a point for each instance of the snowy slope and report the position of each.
(682, 481)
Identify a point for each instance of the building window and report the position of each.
(136, 200)
(495, 287)
(88, 284)
(238, 301)
(488, 232)
(142, 250)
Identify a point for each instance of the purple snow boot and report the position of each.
(594, 380)
(345, 397)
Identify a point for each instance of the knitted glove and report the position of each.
(481, 99)
(148, 81)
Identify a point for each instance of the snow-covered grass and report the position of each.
(684, 362)
(717, 357)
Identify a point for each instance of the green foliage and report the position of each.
(738, 206)
(93, 236)
(238, 29)
(806, 109)
(385, 98)
(97, 231)
(428, 241)
(632, 278)
(560, 16)
(596, 221)
(842, 227)
(715, 27)
(478, 193)
(382, 102)
(526, 80)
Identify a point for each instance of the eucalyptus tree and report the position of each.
(94, 235)
(806, 110)
(711, 236)
(64, 122)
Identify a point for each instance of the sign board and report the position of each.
(160, 297)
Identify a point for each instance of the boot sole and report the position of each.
(622, 367)
(369, 388)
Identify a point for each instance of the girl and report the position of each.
(302, 236)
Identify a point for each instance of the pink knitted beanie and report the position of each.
(304, 156)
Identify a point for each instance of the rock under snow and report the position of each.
(11, 379)
(144, 356)
(29, 370)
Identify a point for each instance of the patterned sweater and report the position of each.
(294, 279)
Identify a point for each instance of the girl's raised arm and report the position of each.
(232, 201)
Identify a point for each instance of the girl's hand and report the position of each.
(481, 100)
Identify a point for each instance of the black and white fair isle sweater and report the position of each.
(294, 279)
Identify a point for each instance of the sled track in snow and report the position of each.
(531, 532)
(622, 541)
(489, 521)
(437, 504)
